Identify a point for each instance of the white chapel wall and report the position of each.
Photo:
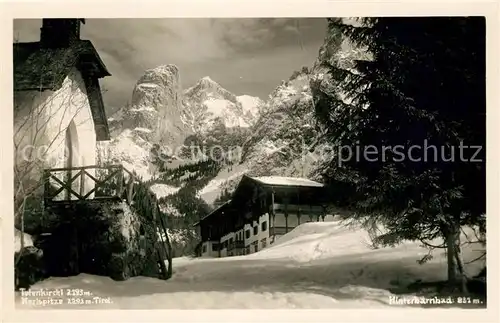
(40, 123)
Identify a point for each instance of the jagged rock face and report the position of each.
(280, 138)
(156, 106)
(284, 131)
(153, 117)
(286, 140)
(336, 51)
(207, 103)
(161, 88)
(161, 113)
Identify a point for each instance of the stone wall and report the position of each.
(99, 238)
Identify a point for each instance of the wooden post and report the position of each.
(272, 202)
(286, 214)
(46, 183)
(298, 207)
(82, 182)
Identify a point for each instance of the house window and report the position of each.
(215, 247)
(248, 250)
(255, 248)
(255, 230)
(247, 234)
(231, 241)
(264, 243)
(264, 226)
(204, 248)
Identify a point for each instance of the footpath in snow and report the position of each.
(317, 265)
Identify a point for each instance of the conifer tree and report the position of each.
(423, 88)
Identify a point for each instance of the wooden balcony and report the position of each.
(77, 184)
(294, 209)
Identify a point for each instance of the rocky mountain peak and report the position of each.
(155, 85)
(161, 75)
(207, 101)
(206, 81)
(206, 88)
(152, 117)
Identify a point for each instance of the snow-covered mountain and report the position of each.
(207, 101)
(251, 106)
(162, 113)
(275, 137)
(152, 117)
(285, 139)
(280, 140)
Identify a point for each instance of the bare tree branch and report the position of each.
(476, 259)
(442, 246)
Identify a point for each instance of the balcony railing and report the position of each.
(88, 183)
(293, 208)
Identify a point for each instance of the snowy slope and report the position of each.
(227, 178)
(251, 105)
(163, 190)
(317, 265)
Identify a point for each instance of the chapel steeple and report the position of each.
(60, 32)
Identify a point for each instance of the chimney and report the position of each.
(60, 33)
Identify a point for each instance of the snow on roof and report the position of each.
(287, 181)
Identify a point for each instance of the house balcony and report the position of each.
(89, 183)
(294, 208)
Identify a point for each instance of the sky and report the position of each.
(244, 55)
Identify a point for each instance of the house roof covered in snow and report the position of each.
(38, 67)
(286, 181)
(297, 190)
